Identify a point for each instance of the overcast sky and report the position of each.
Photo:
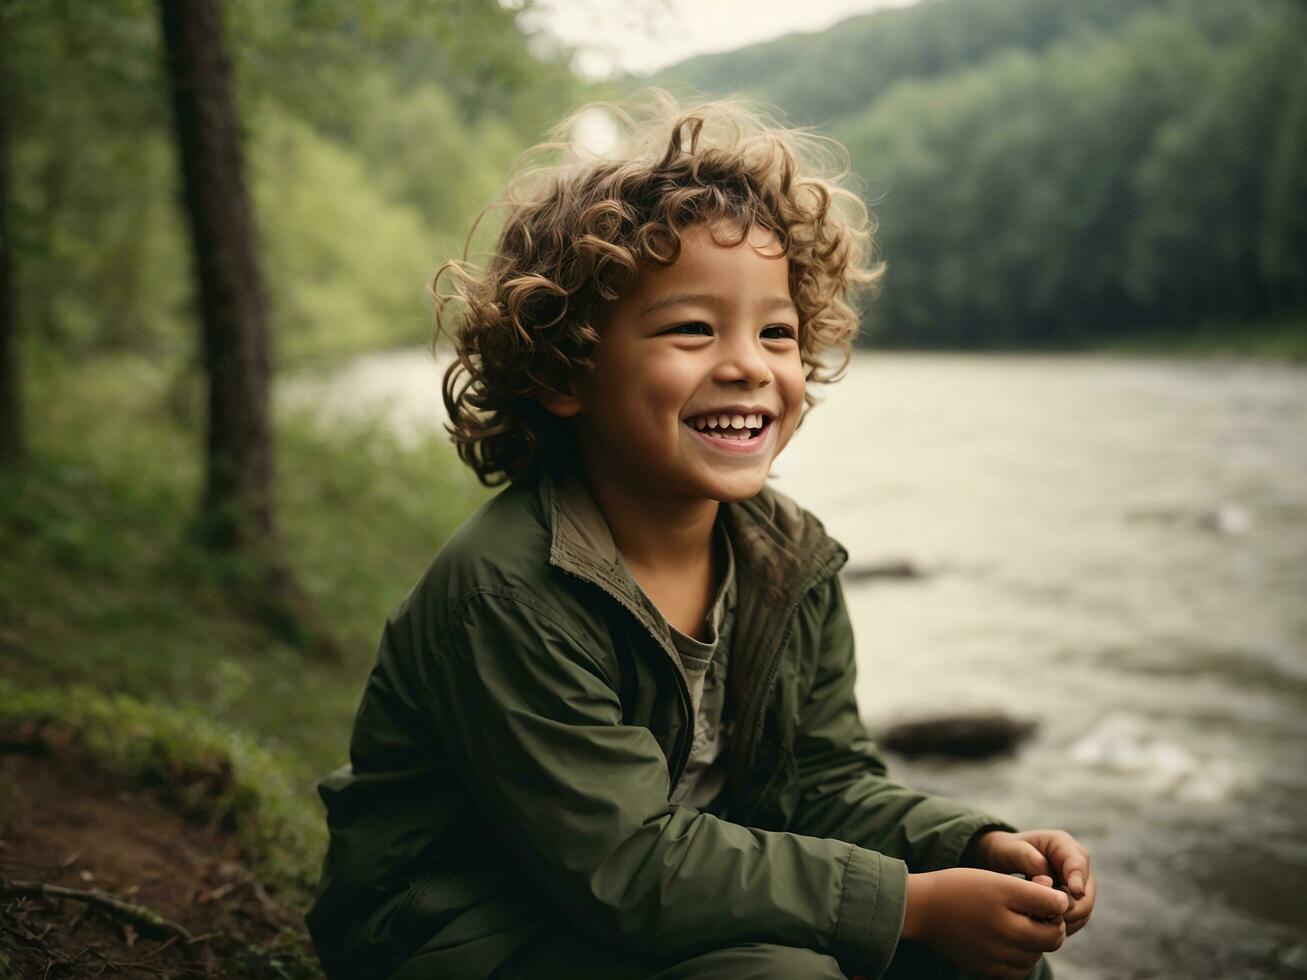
(641, 36)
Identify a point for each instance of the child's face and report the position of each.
(714, 333)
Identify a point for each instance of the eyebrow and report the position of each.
(767, 305)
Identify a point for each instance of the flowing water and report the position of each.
(1115, 548)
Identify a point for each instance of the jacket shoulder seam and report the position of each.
(538, 606)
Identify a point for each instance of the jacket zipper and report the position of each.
(773, 664)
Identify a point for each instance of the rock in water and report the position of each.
(889, 568)
(965, 736)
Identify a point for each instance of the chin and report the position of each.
(738, 491)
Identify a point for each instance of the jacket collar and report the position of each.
(779, 547)
(781, 551)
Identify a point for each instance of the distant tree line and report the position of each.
(1049, 172)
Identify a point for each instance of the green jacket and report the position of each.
(527, 717)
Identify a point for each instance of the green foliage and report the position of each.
(100, 588)
(308, 56)
(376, 133)
(346, 262)
(94, 214)
(1283, 245)
(1048, 173)
(1218, 225)
(827, 75)
(426, 157)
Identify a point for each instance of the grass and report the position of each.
(112, 621)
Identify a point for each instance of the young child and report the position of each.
(611, 732)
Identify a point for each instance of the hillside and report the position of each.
(818, 77)
(1050, 173)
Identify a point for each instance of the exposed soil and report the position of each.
(63, 823)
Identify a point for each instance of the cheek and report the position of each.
(793, 380)
(793, 387)
(665, 385)
(638, 398)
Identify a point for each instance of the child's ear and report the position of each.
(564, 404)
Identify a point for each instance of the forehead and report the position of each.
(717, 260)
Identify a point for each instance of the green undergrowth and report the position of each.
(114, 624)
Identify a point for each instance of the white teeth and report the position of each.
(727, 423)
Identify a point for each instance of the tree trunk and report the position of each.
(238, 490)
(11, 401)
(238, 511)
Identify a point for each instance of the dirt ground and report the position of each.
(64, 824)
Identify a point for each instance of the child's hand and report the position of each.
(1053, 854)
(987, 923)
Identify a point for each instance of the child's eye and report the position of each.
(779, 331)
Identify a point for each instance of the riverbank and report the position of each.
(116, 631)
(1279, 341)
(1282, 340)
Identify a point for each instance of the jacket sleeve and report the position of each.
(845, 792)
(534, 725)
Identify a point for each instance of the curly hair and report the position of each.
(580, 224)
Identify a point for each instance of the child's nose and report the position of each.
(744, 362)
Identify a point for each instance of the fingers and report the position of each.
(1037, 937)
(1078, 916)
(1071, 861)
(1037, 901)
(1030, 860)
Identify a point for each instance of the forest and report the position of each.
(372, 143)
(1049, 174)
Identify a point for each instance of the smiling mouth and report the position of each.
(747, 438)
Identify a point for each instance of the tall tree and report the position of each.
(238, 510)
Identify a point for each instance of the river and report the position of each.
(1112, 547)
